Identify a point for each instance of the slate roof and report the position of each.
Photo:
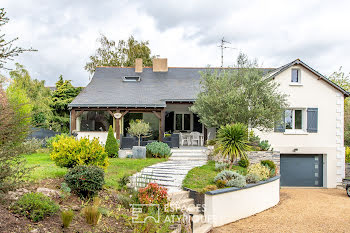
(107, 88)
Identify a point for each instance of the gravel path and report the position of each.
(300, 210)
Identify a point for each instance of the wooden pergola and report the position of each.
(158, 112)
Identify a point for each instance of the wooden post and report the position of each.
(117, 127)
(73, 118)
(161, 125)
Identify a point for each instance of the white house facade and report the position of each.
(311, 137)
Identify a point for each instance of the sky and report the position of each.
(187, 32)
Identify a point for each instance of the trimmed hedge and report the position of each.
(112, 144)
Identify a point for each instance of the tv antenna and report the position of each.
(222, 47)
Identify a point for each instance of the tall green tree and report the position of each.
(122, 53)
(343, 80)
(63, 95)
(39, 96)
(240, 95)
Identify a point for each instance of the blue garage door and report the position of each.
(301, 170)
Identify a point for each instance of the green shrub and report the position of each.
(264, 145)
(268, 163)
(210, 187)
(70, 152)
(124, 200)
(35, 206)
(243, 163)
(67, 217)
(252, 178)
(158, 150)
(65, 190)
(85, 181)
(221, 166)
(31, 146)
(221, 184)
(262, 171)
(112, 144)
(123, 181)
(347, 154)
(232, 179)
(50, 140)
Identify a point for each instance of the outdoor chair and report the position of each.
(184, 139)
(195, 138)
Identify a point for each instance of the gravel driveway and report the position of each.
(300, 210)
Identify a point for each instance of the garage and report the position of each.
(302, 170)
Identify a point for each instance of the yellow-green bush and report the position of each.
(70, 152)
(347, 154)
(262, 171)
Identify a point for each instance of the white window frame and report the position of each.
(299, 76)
(303, 122)
(183, 121)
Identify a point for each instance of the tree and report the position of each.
(343, 80)
(122, 53)
(232, 142)
(139, 128)
(7, 50)
(61, 97)
(14, 128)
(38, 94)
(112, 145)
(240, 95)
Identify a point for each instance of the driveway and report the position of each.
(300, 210)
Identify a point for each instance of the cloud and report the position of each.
(187, 32)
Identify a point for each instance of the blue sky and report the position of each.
(186, 32)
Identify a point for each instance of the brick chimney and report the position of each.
(138, 65)
(160, 65)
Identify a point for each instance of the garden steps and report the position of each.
(182, 201)
(171, 173)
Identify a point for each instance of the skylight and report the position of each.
(131, 79)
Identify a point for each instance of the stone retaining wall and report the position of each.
(257, 156)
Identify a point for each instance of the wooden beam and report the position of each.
(73, 120)
(161, 125)
(111, 113)
(156, 114)
(123, 114)
(117, 127)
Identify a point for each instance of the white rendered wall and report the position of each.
(329, 140)
(221, 209)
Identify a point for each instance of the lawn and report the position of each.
(199, 177)
(45, 168)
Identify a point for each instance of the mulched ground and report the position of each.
(10, 222)
(300, 210)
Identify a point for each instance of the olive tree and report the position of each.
(139, 128)
(244, 95)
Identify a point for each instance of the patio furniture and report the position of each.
(185, 138)
(173, 140)
(195, 138)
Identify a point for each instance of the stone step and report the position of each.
(178, 195)
(184, 203)
(192, 159)
(204, 228)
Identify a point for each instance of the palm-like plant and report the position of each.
(232, 142)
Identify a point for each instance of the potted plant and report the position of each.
(139, 128)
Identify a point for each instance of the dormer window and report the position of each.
(296, 76)
(131, 79)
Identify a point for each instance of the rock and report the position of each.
(139, 152)
(48, 192)
(14, 195)
(125, 154)
(34, 231)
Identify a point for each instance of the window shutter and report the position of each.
(312, 120)
(280, 126)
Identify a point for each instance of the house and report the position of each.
(310, 140)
